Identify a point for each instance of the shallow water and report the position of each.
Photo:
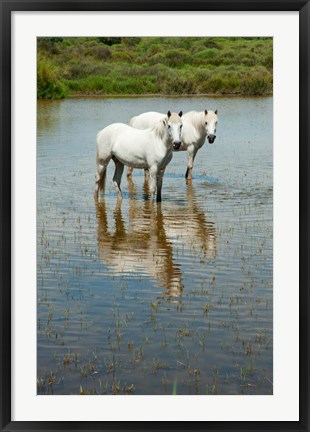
(146, 298)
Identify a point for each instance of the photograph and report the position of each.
(154, 215)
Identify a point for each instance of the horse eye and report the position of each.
(206, 123)
(169, 126)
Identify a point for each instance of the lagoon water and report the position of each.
(146, 298)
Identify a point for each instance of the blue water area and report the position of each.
(145, 298)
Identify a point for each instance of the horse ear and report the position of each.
(164, 121)
(169, 114)
(215, 111)
(180, 114)
(206, 112)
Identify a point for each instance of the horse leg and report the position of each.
(146, 174)
(130, 170)
(131, 187)
(119, 168)
(159, 184)
(146, 188)
(191, 152)
(153, 178)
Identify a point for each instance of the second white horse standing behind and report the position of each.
(197, 126)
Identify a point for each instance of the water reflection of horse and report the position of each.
(186, 225)
(144, 245)
(143, 248)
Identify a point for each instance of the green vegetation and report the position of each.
(153, 65)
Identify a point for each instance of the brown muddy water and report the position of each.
(146, 298)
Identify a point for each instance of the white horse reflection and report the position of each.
(141, 249)
(186, 225)
(144, 245)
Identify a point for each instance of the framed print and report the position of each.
(154, 202)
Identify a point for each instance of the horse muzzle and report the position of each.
(176, 145)
(211, 138)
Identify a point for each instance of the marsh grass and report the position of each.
(149, 65)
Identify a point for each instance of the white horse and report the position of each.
(197, 126)
(150, 149)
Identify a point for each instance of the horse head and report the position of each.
(174, 125)
(210, 125)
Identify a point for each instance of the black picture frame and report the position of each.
(7, 7)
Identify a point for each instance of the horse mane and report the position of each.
(197, 118)
(160, 128)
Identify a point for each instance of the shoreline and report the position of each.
(159, 95)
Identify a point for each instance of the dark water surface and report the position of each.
(146, 298)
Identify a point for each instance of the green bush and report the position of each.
(110, 40)
(148, 65)
(176, 57)
(48, 84)
(256, 84)
(209, 53)
(102, 52)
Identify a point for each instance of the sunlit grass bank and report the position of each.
(153, 65)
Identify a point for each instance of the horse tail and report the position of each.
(100, 176)
(102, 161)
(97, 157)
